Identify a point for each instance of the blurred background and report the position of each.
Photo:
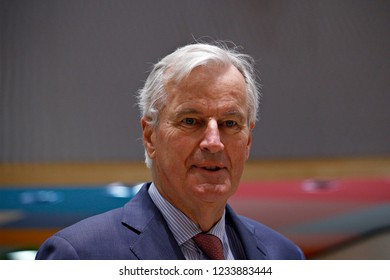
(70, 139)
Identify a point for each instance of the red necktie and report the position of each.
(210, 245)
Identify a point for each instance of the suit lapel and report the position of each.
(253, 248)
(151, 238)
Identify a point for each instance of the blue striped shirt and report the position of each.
(184, 229)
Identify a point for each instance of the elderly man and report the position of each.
(199, 107)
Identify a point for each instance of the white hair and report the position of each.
(151, 98)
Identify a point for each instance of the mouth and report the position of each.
(210, 168)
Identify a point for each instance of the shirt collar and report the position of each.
(181, 226)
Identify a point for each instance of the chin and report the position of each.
(211, 192)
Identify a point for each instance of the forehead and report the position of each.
(209, 85)
(212, 75)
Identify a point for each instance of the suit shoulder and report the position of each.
(94, 224)
(96, 237)
(96, 230)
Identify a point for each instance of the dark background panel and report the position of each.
(69, 71)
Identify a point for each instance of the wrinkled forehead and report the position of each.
(174, 76)
(209, 76)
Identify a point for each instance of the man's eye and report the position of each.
(189, 121)
(230, 123)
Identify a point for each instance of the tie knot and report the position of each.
(210, 245)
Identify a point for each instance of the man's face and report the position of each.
(202, 139)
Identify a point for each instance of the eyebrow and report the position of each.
(191, 111)
(187, 111)
(233, 113)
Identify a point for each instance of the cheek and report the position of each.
(238, 155)
(171, 145)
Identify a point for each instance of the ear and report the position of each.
(248, 146)
(148, 136)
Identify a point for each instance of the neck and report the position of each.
(205, 217)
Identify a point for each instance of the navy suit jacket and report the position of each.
(138, 231)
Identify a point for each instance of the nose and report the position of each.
(211, 141)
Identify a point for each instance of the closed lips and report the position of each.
(210, 167)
